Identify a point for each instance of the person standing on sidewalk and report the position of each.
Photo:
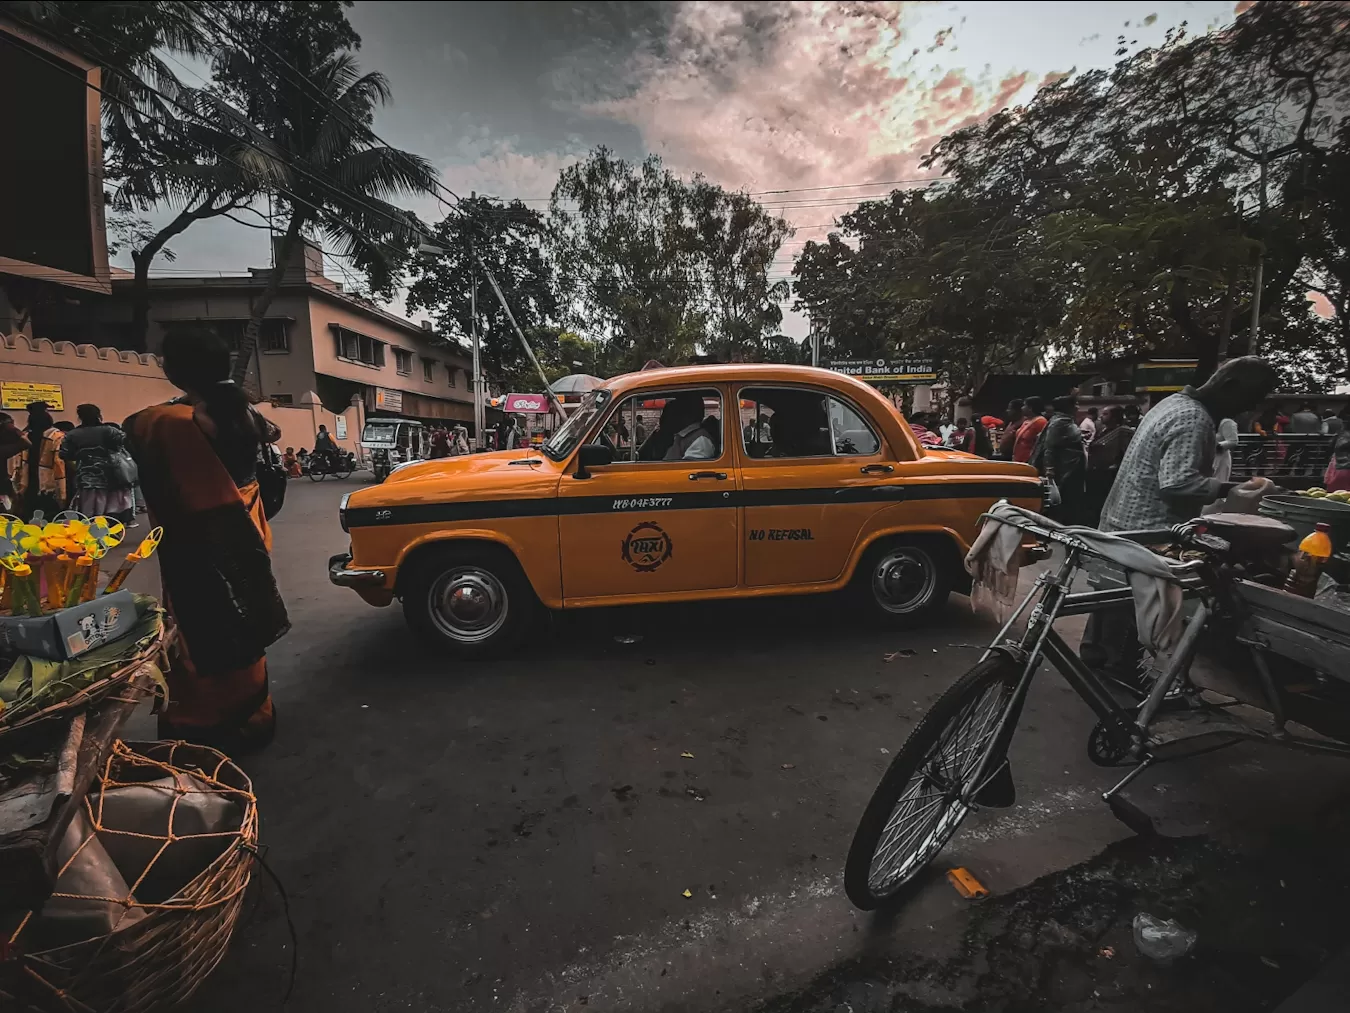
(102, 480)
(12, 443)
(1166, 478)
(198, 458)
(39, 472)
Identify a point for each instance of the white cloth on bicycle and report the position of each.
(994, 559)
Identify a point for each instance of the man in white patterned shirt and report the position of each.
(1166, 478)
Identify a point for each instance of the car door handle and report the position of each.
(868, 469)
(694, 476)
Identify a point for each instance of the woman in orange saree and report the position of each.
(197, 458)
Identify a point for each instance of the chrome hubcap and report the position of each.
(903, 580)
(468, 604)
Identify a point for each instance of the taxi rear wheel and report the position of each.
(904, 581)
(471, 600)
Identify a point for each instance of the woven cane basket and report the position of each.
(159, 959)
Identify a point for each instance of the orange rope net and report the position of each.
(184, 886)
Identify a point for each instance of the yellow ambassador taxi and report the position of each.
(698, 482)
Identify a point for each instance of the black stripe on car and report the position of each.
(469, 510)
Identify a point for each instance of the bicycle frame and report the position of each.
(1040, 640)
(1128, 725)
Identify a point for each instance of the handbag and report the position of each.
(269, 472)
(122, 470)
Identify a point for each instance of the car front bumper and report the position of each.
(369, 584)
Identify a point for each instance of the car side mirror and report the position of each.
(592, 455)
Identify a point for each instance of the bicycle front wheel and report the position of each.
(917, 806)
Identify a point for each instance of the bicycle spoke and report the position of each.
(930, 806)
(893, 841)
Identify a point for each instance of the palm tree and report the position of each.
(312, 111)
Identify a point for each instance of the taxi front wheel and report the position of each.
(903, 582)
(471, 600)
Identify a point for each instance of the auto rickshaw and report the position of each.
(392, 442)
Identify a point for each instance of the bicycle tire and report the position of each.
(942, 725)
(316, 476)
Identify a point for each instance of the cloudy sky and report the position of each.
(820, 102)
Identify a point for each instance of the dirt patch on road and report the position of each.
(1266, 920)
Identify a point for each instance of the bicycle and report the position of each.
(956, 758)
(339, 465)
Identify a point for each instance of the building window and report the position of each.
(450, 371)
(427, 365)
(403, 361)
(358, 348)
(281, 399)
(273, 339)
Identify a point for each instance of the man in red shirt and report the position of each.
(1030, 431)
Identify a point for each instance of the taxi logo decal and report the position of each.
(646, 547)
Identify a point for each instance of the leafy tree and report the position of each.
(660, 268)
(289, 69)
(736, 242)
(1120, 213)
(625, 250)
(930, 273)
(508, 238)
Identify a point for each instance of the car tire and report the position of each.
(903, 582)
(469, 600)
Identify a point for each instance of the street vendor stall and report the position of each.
(122, 869)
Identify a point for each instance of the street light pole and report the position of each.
(478, 420)
(478, 415)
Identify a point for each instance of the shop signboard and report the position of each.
(910, 369)
(388, 400)
(1163, 376)
(527, 404)
(21, 395)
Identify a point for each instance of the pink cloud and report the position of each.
(775, 95)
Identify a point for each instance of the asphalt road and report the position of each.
(519, 835)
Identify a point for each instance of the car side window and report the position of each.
(675, 425)
(850, 433)
(792, 422)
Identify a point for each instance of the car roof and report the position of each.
(752, 372)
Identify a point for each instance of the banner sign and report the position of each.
(906, 370)
(1165, 376)
(527, 404)
(340, 426)
(389, 400)
(21, 395)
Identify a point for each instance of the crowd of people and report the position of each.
(53, 466)
(1081, 452)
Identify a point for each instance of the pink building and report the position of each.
(316, 338)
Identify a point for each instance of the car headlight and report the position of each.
(342, 510)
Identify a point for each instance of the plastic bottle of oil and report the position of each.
(1313, 553)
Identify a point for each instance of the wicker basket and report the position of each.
(159, 960)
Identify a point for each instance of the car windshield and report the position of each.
(569, 434)
(379, 433)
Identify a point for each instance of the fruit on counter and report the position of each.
(1315, 493)
(1340, 497)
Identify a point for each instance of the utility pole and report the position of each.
(524, 342)
(478, 414)
(1255, 331)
